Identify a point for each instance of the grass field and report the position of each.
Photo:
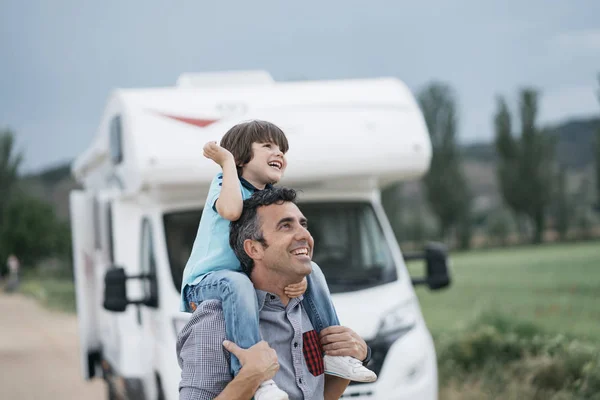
(56, 294)
(516, 323)
(556, 287)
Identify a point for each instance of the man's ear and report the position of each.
(254, 249)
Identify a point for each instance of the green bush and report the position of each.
(512, 359)
(56, 294)
(484, 345)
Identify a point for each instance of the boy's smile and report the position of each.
(277, 164)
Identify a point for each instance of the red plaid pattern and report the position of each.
(313, 354)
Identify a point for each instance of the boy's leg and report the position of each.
(322, 314)
(240, 307)
(320, 307)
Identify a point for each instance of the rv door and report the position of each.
(83, 230)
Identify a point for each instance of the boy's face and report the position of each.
(267, 165)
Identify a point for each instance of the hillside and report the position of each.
(574, 144)
(53, 184)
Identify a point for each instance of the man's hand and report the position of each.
(217, 153)
(296, 289)
(343, 341)
(258, 361)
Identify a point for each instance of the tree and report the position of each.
(562, 213)
(499, 224)
(525, 168)
(446, 188)
(598, 171)
(597, 153)
(31, 230)
(391, 199)
(10, 162)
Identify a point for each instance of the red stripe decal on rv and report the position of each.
(200, 122)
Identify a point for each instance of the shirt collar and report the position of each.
(251, 187)
(266, 297)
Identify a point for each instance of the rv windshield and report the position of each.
(349, 244)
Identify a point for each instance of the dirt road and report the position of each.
(39, 355)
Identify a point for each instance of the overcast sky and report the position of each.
(60, 59)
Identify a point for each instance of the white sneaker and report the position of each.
(268, 390)
(348, 368)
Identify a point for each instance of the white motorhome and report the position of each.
(144, 185)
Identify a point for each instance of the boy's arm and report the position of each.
(229, 203)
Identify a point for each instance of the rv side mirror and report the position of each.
(115, 290)
(436, 265)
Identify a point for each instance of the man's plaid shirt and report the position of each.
(205, 363)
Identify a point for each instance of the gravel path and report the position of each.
(39, 354)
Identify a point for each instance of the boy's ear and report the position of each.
(254, 249)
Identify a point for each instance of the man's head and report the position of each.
(258, 148)
(271, 235)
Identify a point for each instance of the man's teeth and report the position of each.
(299, 252)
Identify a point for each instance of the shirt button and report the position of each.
(295, 344)
(272, 297)
(300, 380)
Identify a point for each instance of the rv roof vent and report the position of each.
(227, 78)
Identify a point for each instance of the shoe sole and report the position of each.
(368, 380)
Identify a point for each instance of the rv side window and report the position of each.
(148, 260)
(116, 141)
(96, 222)
(180, 233)
(109, 234)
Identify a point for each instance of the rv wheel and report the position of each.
(111, 393)
(159, 389)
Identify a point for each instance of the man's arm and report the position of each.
(334, 387)
(259, 363)
(205, 369)
(340, 341)
(343, 341)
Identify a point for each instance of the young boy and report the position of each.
(252, 157)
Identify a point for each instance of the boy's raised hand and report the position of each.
(217, 153)
(296, 289)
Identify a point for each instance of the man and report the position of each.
(13, 273)
(266, 238)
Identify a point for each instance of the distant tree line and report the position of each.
(597, 154)
(532, 183)
(29, 227)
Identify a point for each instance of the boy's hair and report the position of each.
(248, 226)
(238, 140)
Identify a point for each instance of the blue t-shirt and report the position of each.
(211, 250)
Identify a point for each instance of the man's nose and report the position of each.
(302, 233)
